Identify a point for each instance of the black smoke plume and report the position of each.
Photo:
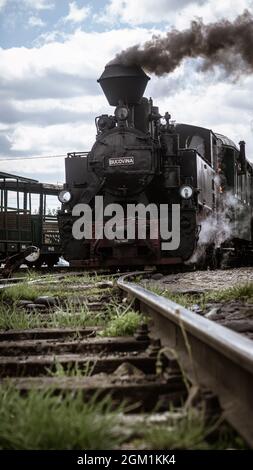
(225, 43)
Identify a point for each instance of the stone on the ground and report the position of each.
(46, 300)
(23, 303)
(35, 306)
(213, 314)
(126, 369)
(196, 308)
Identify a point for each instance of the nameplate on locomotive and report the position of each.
(121, 161)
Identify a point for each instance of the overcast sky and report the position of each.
(53, 51)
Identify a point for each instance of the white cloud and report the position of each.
(212, 11)
(176, 12)
(32, 4)
(140, 12)
(82, 104)
(46, 170)
(30, 138)
(50, 140)
(50, 36)
(39, 4)
(35, 21)
(2, 4)
(76, 56)
(77, 15)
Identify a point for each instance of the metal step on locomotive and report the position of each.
(140, 156)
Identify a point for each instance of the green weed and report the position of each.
(192, 432)
(12, 318)
(19, 291)
(43, 420)
(71, 371)
(123, 325)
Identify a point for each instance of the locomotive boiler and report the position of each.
(141, 157)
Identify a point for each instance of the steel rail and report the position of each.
(212, 356)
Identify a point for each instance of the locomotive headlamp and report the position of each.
(186, 192)
(121, 113)
(64, 196)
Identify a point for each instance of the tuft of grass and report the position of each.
(70, 313)
(79, 316)
(19, 291)
(63, 289)
(71, 371)
(187, 433)
(192, 432)
(45, 421)
(12, 318)
(86, 278)
(32, 275)
(123, 325)
(239, 292)
(185, 300)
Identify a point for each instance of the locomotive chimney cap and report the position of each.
(123, 83)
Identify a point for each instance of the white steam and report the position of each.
(230, 219)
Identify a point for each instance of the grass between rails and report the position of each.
(87, 278)
(32, 291)
(15, 318)
(46, 285)
(116, 320)
(12, 318)
(43, 420)
(19, 291)
(123, 325)
(122, 320)
(242, 292)
(70, 314)
(58, 371)
(70, 277)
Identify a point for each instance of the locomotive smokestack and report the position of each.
(123, 83)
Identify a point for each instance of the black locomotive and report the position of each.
(141, 157)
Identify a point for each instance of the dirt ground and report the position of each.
(201, 281)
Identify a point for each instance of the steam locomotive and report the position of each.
(141, 157)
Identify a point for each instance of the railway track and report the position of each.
(212, 355)
(167, 361)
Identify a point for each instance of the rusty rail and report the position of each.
(212, 356)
